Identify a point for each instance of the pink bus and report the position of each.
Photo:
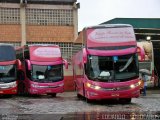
(9, 67)
(107, 66)
(42, 68)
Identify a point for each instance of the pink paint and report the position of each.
(41, 71)
(45, 53)
(110, 37)
(46, 63)
(45, 88)
(112, 52)
(95, 39)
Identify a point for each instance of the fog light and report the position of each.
(14, 90)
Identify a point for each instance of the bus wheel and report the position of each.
(79, 96)
(125, 100)
(89, 100)
(8, 96)
(128, 100)
(52, 94)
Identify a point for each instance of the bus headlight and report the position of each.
(8, 85)
(97, 87)
(135, 85)
(132, 86)
(93, 86)
(14, 84)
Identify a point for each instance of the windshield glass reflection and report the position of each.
(112, 68)
(48, 73)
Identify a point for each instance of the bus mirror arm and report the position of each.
(65, 63)
(84, 55)
(19, 64)
(141, 53)
(28, 64)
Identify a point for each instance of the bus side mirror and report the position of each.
(19, 64)
(84, 53)
(65, 63)
(141, 53)
(28, 64)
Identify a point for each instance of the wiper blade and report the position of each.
(98, 78)
(93, 78)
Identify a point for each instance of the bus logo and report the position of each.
(115, 89)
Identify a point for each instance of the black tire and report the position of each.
(8, 96)
(85, 97)
(89, 100)
(128, 100)
(125, 100)
(79, 96)
(52, 94)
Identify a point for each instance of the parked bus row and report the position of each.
(33, 69)
(107, 66)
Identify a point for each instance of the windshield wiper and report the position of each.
(101, 79)
(127, 64)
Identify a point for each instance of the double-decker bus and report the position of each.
(107, 66)
(9, 67)
(147, 66)
(42, 68)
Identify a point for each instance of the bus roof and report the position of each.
(4, 44)
(108, 26)
(38, 45)
(42, 45)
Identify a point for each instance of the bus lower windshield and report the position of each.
(47, 73)
(7, 73)
(112, 68)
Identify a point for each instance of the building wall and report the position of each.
(41, 24)
(50, 33)
(10, 33)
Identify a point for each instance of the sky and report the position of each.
(94, 12)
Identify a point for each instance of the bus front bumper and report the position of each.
(8, 91)
(46, 89)
(98, 95)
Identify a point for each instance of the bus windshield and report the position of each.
(48, 73)
(7, 73)
(112, 68)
